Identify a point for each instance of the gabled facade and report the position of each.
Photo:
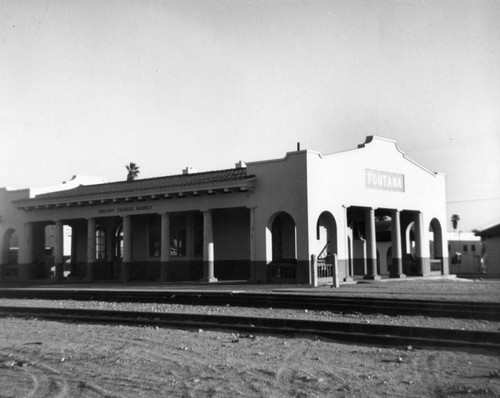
(371, 210)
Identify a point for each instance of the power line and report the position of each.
(473, 200)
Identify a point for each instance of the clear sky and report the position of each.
(87, 86)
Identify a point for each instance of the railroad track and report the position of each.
(372, 334)
(431, 308)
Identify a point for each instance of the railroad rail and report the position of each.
(364, 305)
(373, 334)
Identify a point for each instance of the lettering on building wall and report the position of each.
(384, 180)
(125, 209)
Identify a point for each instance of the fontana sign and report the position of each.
(384, 180)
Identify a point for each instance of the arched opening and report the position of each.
(281, 248)
(435, 239)
(409, 262)
(10, 247)
(10, 250)
(326, 235)
(435, 245)
(283, 238)
(410, 238)
(326, 248)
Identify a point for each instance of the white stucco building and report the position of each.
(372, 208)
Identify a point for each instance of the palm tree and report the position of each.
(455, 218)
(133, 171)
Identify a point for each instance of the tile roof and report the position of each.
(159, 184)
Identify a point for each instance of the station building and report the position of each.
(372, 211)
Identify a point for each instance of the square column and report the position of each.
(349, 272)
(253, 259)
(397, 251)
(25, 257)
(165, 246)
(58, 251)
(371, 246)
(91, 246)
(422, 255)
(208, 248)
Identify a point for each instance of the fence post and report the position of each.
(314, 271)
(335, 272)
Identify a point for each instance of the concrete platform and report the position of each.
(435, 287)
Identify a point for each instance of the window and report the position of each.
(464, 248)
(473, 248)
(457, 258)
(100, 244)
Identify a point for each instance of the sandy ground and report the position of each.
(52, 359)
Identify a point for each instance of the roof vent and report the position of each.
(189, 170)
(240, 165)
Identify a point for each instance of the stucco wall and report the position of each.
(281, 187)
(338, 181)
(232, 234)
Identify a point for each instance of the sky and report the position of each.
(88, 86)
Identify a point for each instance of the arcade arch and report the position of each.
(435, 239)
(326, 234)
(281, 248)
(283, 238)
(436, 245)
(10, 250)
(10, 247)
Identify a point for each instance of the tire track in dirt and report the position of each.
(38, 379)
(431, 373)
(291, 374)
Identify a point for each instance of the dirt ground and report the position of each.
(53, 359)
(50, 359)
